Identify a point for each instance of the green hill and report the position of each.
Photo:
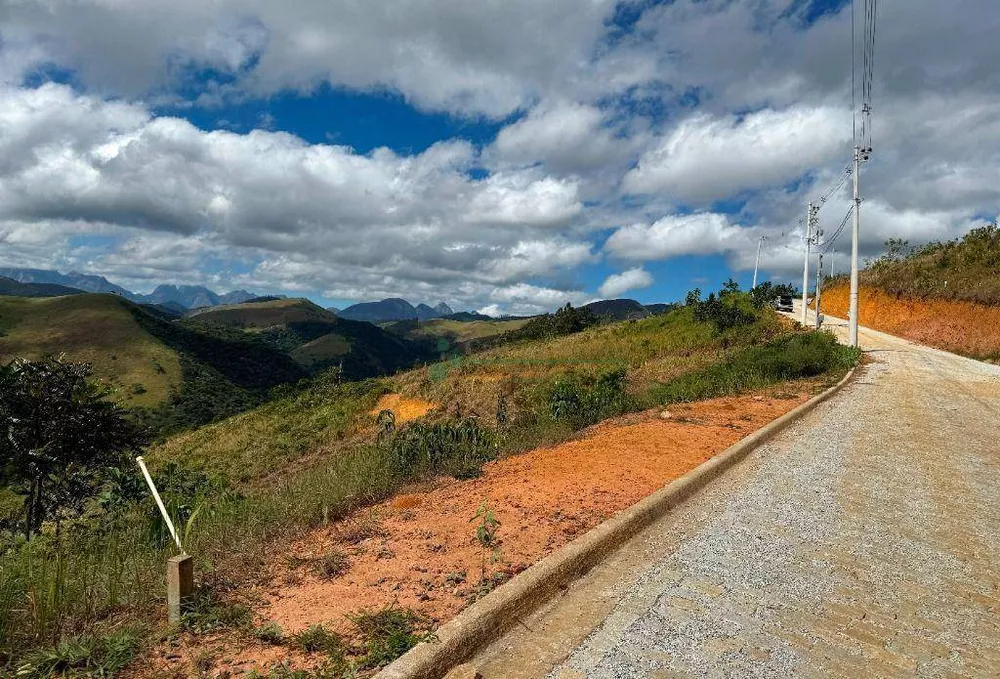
(179, 376)
(315, 338)
(97, 329)
(8, 286)
(263, 314)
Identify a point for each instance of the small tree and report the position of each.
(59, 433)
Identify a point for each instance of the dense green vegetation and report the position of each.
(966, 269)
(251, 483)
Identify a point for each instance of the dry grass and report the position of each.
(463, 331)
(95, 329)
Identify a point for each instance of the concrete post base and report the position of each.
(180, 586)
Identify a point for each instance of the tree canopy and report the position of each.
(59, 433)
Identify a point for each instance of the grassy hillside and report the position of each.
(98, 329)
(178, 376)
(264, 314)
(965, 269)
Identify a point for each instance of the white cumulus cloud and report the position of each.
(707, 158)
(632, 279)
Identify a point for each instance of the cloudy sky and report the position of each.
(504, 155)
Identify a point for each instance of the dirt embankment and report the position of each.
(960, 327)
(419, 550)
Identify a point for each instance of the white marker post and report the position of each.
(180, 569)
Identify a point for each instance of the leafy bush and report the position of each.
(457, 447)
(730, 309)
(584, 400)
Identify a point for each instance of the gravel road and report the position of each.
(862, 541)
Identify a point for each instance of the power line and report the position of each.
(836, 234)
(844, 176)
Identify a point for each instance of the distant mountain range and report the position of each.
(187, 296)
(12, 288)
(393, 309)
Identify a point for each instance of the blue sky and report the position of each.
(507, 157)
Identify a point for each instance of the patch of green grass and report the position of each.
(787, 358)
(457, 447)
(208, 613)
(318, 639)
(270, 633)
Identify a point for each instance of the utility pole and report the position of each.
(756, 264)
(811, 220)
(819, 286)
(855, 228)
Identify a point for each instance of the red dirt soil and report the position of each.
(960, 327)
(424, 539)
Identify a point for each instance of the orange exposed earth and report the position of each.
(959, 327)
(419, 551)
(405, 409)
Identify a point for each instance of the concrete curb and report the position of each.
(486, 620)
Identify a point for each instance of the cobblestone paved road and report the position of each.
(863, 541)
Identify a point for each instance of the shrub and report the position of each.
(730, 309)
